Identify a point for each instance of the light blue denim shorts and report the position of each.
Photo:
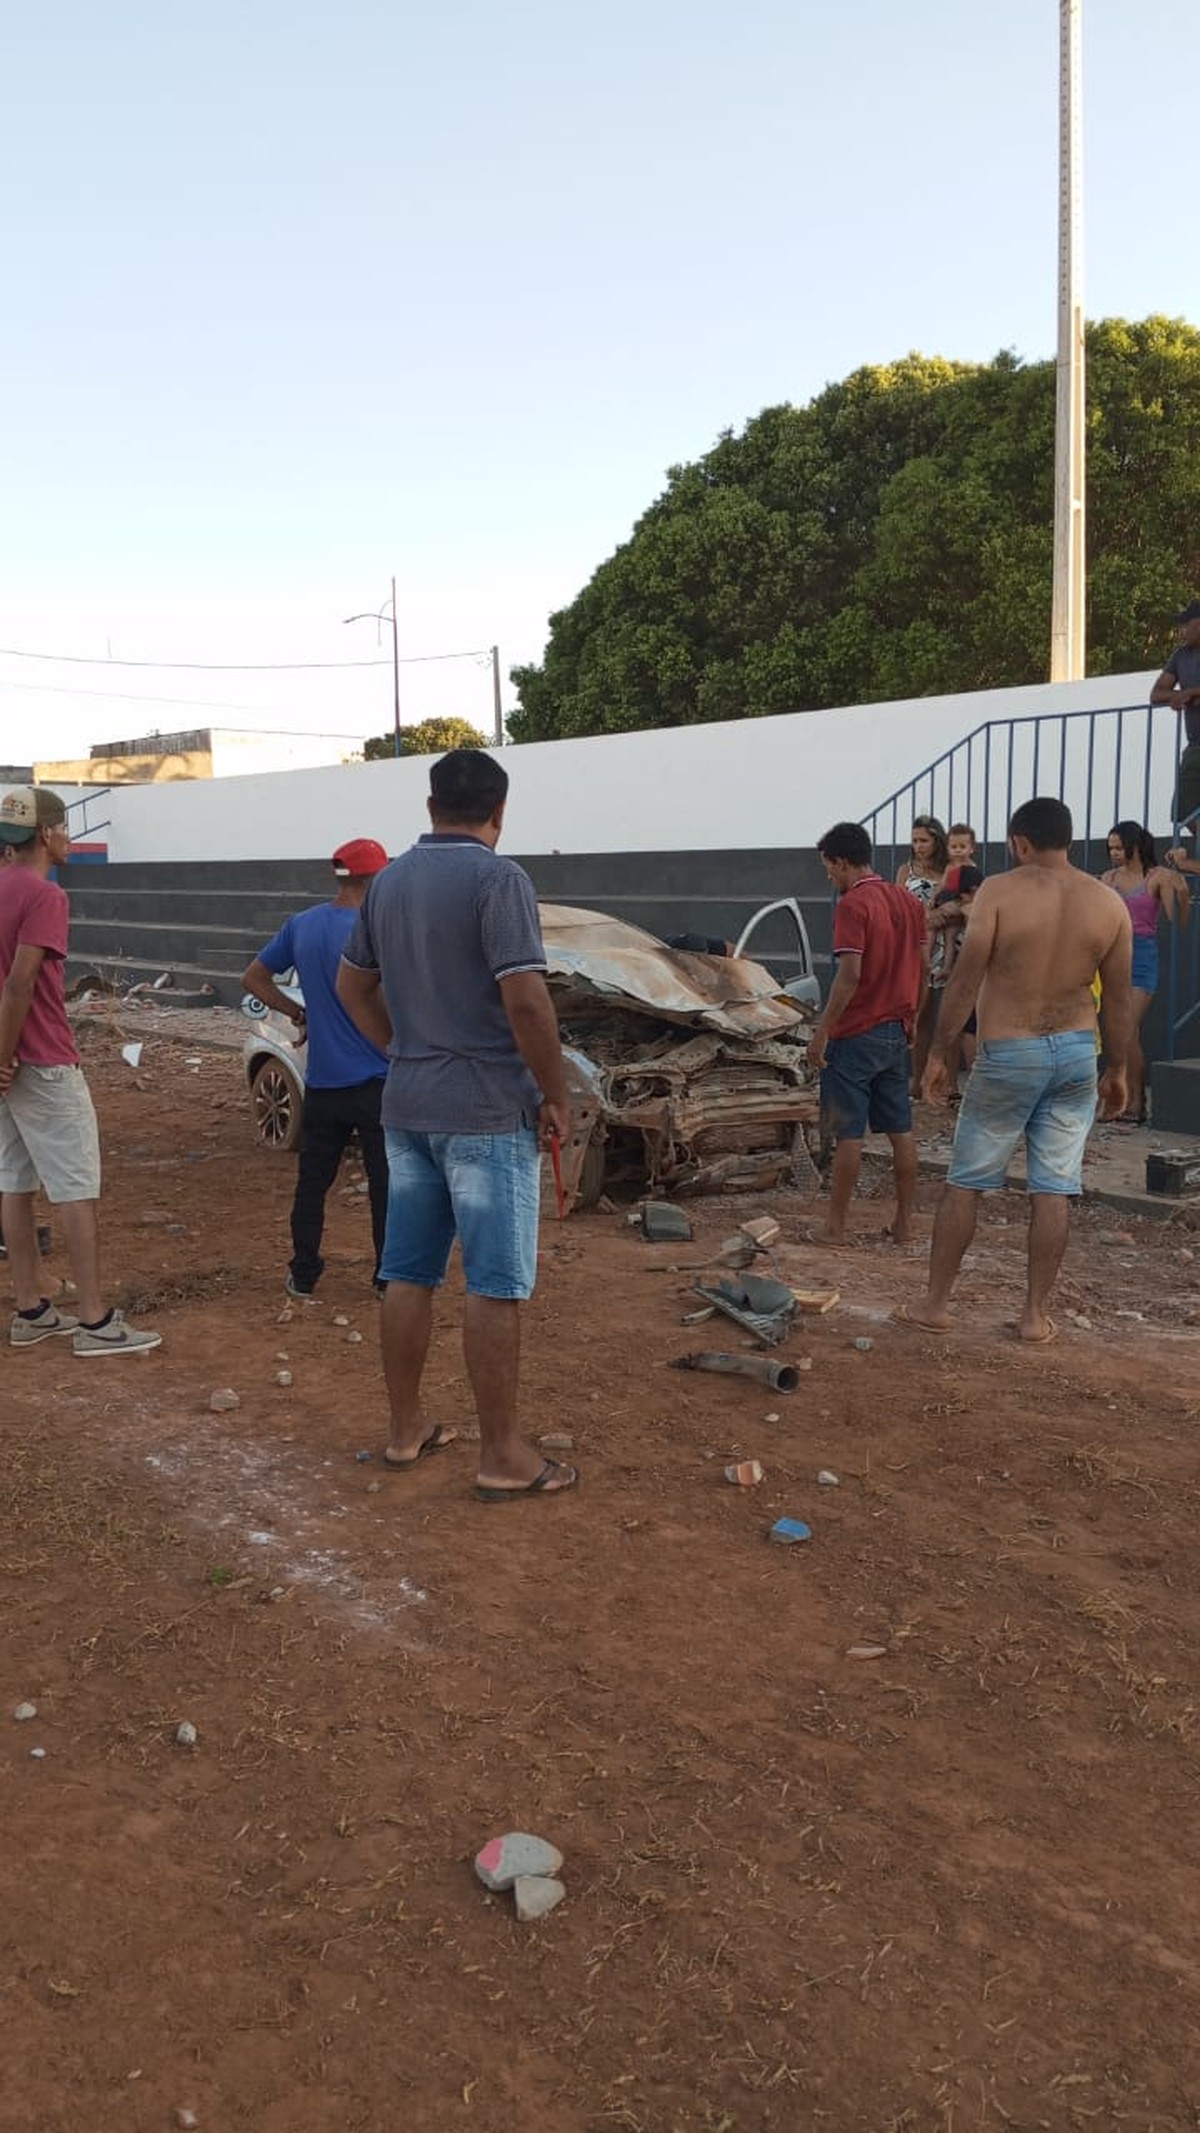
(1042, 1087)
(479, 1187)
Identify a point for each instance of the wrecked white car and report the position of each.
(687, 1072)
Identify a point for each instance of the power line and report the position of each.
(262, 666)
(122, 696)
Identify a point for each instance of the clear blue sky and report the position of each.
(298, 295)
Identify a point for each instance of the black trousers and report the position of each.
(331, 1118)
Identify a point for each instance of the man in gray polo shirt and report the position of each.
(1179, 687)
(445, 972)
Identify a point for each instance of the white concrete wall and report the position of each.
(747, 784)
(240, 755)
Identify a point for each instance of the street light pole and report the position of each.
(395, 670)
(1067, 645)
(497, 706)
(379, 614)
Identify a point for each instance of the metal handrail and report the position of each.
(1106, 763)
(86, 828)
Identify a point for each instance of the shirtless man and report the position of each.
(1035, 939)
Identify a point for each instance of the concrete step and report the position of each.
(1175, 1095)
(226, 948)
(196, 984)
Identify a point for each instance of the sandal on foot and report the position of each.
(1036, 1340)
(543, 1484)
(436, 1441)
(902, 1316)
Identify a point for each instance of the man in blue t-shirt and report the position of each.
(345, 1072)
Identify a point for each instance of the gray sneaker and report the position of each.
(27, 1332)
(115, 1337)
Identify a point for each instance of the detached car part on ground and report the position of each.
(686, 1072)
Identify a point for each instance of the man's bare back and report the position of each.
(1041, 933)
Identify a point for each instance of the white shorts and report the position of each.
(48, 1135)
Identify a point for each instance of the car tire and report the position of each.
(277, 1102)
(591, 1175)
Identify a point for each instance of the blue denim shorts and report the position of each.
(1145, 963)
(479, 1187)
(1042, 1087)
(864, 1082)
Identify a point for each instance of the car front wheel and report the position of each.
(276, 1104)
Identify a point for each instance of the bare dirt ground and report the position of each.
(950, 1887)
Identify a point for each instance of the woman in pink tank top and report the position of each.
(1147, 890)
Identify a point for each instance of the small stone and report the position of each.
(340, 1319)
(515, 1856)
(282, 1356)
(224, 1400)
(1185, 1254)
(354, 1339)
(805, 1363)
(1077, 1319)
(536, 1896)
(186, 2119)
(38, 1754)
(1115, 1236)
(284, 1317)
(372, 1488)
(862, 1344)
(186, 1735)
(24, 1711)
(283, 1377)
(746, 1474)
(362, 1457)
(556, 1441)
(771, 1418)
(827, 1479)
(866, 1651)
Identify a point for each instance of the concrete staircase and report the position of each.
(203, 920)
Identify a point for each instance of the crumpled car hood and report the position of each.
(591, 957)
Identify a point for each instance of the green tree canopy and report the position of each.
(891, 539)
(433, 736)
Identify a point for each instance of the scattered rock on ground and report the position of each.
(223, 1401)
(536, 1895)
(827, 1479)
(504, 1859)
(340, 1319)
(862, 1344)
(24, 1711)
(186, 1735)
(354, 1338)
(283, 1377)
(556, 1441)
(38, 1754)
(866, 1651)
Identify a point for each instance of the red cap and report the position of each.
(361, 856)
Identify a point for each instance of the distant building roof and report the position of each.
(156, 744)
(16, 773)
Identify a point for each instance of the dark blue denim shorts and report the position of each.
(864, 1083)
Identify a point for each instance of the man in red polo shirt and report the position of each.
(860, 1043)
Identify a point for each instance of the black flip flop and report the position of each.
(436, 1441)
(539, 1486)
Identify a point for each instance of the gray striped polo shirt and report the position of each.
(442, 925)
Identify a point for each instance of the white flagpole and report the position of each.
(1067, 643)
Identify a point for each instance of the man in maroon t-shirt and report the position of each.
(47, 1123)
(860, 1043)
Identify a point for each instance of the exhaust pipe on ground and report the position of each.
(781, 1377)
